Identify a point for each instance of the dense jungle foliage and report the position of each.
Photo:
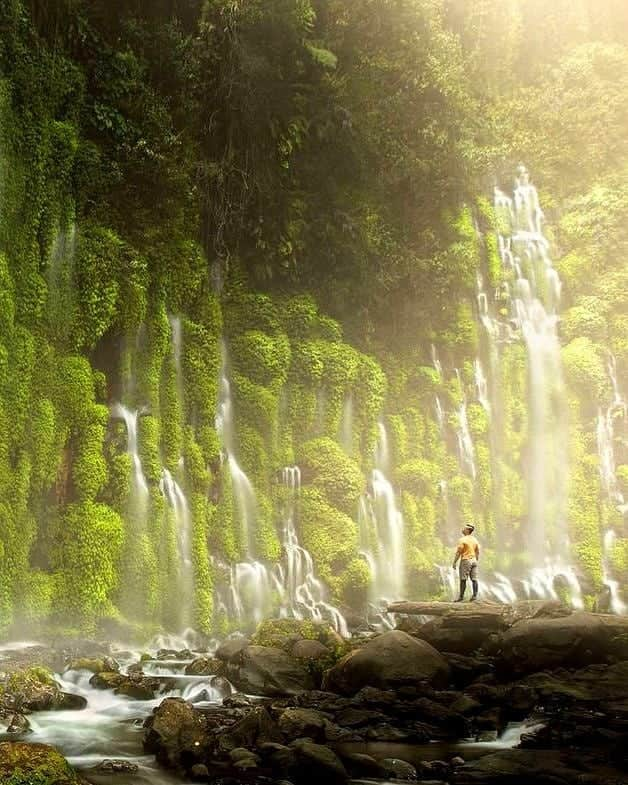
(310, 180)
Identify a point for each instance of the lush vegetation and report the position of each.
(306, 179)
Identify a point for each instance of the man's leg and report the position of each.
(464, 572)
(474, 581)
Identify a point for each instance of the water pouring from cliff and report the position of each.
(243, 491)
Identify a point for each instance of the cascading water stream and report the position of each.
(381, 527)
(243, 491)
(533, 306)
(139, 487)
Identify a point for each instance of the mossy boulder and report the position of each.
(31, 688)
(34, 764)
(284, 633)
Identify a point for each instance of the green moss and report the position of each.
(327, 468)
(329, 535)
(86, 558)
(264, 358)
(34, 764)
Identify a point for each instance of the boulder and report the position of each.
(204, 666)
(254, 729)
(310, 650)
(26, 764)
(18, 724)
(108, 680)
(316, 764)
(93, 664)
(230, 649)
(396, 769)
(577, 640)
(527, 767)
(466, 631)
(31, 689)
(116, 767)
(361, 765)
(175, 732)
(263, 670)
(300, 723)
(69, 701)
(388, 661)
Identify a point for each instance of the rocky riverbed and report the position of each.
(458, 694)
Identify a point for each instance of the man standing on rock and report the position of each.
(468, 551)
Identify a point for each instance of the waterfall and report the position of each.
(172, 492)
(289, 588)
(346, 425)
(605, 431)
(481, 385)
(303, 592)
(139, 487)
(466, 451)
(382, 530)
(533, 303)
(243, 491)
(617, 605)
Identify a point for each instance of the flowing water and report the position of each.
(111, 726)
(139, 496)
(381, 528)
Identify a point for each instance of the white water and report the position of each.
(111, 726)
(289, 588)
(139, 490)
(243, 491)
(533, 306)
(381, 527)
(177, 501)
(466, 450)
(346, 425)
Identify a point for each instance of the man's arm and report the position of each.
(457, 556)
(477, 551)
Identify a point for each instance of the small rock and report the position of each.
(108, 680)
(457, 761)
(299, 723)
(19, 724)
(116, 767)
(199, 772)
(317, 764)
(397, 769)
(360, 765)
(240, 753)
(237, 701)
(204, 666)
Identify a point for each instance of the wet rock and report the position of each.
(577, 640)
(116, 767)
(315, 764)
(466, 669)
(511, 767)
(298, 723)
(140, 689)
(278, 757)
(69, 701)
(199, 772)
(237, 700)
(221, 685)
(229, 650)
(204, 666)
(466, 705)
(19, 724)
(175, 732)
(311, 651)
(107, 681)
(25, 764)
(457, 761)
(397, 769)
(360, 765)
(92, 664)
(464, 632)
(355, 717)
(388, 661)
(389, 733)
(262, 670)
(253, 729)
(30, 689)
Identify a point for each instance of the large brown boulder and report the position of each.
(571, 641)
(176, 732)
(263, 670)
(394, 659)
(26, 764)
(531, 767)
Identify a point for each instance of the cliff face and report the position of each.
(223, 255)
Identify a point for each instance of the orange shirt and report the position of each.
(468, 547)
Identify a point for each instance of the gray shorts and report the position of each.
(468, 569)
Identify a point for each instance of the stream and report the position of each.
(110, 727)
